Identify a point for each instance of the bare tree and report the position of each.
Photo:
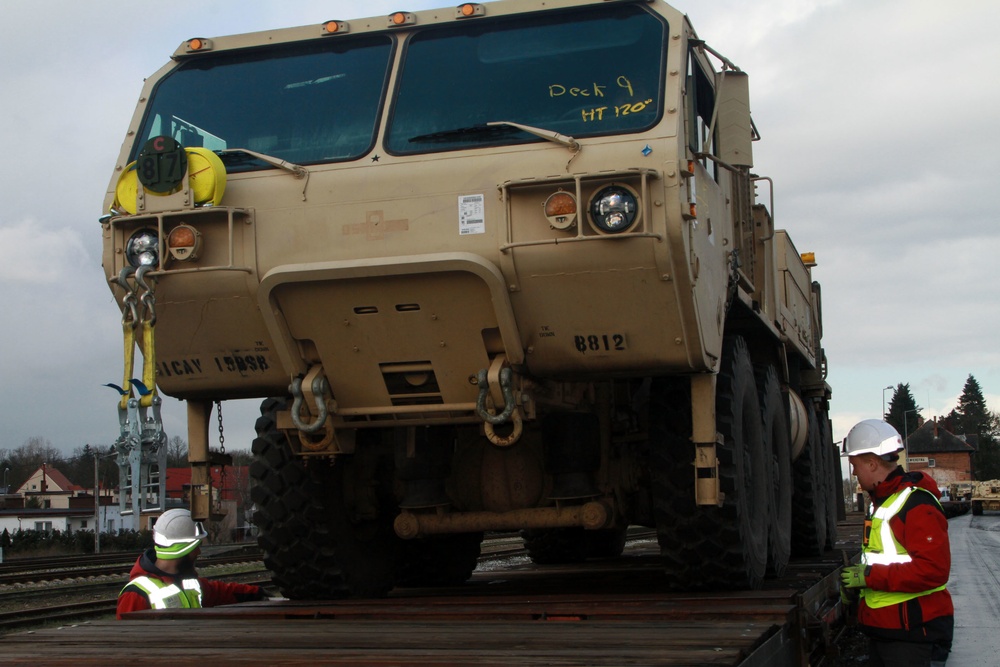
(177, 452)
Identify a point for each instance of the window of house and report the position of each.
(43, 526)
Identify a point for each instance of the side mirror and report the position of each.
(734, 126)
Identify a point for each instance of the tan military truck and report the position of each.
(986, 497)
(496, 267)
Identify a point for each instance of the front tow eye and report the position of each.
(508, 413)
(318, 391)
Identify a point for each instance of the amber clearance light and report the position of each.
(469, 10)
(397, 19)
(560, 210)
(184, 243)
(336, 27)
(198, 44)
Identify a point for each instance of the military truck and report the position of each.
(499, 267)
(986, 497)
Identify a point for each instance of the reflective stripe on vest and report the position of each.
(169, 596)
(884, 549)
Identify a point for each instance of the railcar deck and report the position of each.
(611, 612)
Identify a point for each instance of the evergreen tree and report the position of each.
(904, 413)
(972, 417)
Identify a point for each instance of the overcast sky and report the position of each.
(880, 123)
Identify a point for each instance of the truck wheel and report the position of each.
(440, 560)
(977, 507)
(287, 516)
(809, 495)
(743, 460)
(776, 443)
(314, 545)
(834, 486)
(555, 546)
(709, 547)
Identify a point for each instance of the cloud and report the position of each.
(33, 255)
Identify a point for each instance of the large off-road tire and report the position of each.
(810, 494)
(977, 508)
(707, 547)
(777, 443)
(440, 560)
(834, 485)
(313, 545)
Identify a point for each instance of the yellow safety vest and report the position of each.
(169, 596)
(883, 549)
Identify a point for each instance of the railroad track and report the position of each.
(46, 614)
(78, 567)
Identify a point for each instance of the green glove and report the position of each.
(853, 576)
(848, 596)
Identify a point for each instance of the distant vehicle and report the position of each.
(986, 497)
(499, 267)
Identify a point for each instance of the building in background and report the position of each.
(941, 454)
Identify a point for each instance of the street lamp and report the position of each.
(883, 400)
(6, 489)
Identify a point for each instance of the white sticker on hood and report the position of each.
(471, 214)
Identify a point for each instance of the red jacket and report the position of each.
(922, 529)
(213, 593)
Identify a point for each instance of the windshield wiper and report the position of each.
(294, 169)
(497, 128)
(298, 171)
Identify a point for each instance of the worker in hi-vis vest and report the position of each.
(900, 585)
(164, 577)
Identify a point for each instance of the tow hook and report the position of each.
(508, 413)
(318, 389)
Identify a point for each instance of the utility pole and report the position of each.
(97, 507)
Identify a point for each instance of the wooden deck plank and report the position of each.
(315, 642)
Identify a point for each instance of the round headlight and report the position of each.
(143, 248)
(614, 209)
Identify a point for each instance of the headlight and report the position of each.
(143, 248)
(614, 209)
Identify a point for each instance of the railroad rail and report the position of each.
(73, 568)
(607, 612)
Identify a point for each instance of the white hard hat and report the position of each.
(176, 535)
(872, 436)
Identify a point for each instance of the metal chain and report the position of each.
(222, 435)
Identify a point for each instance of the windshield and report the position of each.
(581, 73)
(318, 103)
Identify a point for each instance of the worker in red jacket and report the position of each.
(164, 577)
(904, 606)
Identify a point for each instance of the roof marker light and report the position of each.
(335, 27)
(397, 19)
(470, 10)
(198, 44)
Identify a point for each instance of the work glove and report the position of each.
(848, 596)
(853, 576)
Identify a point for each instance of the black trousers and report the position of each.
(901, 654)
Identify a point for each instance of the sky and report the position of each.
(880, 125)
